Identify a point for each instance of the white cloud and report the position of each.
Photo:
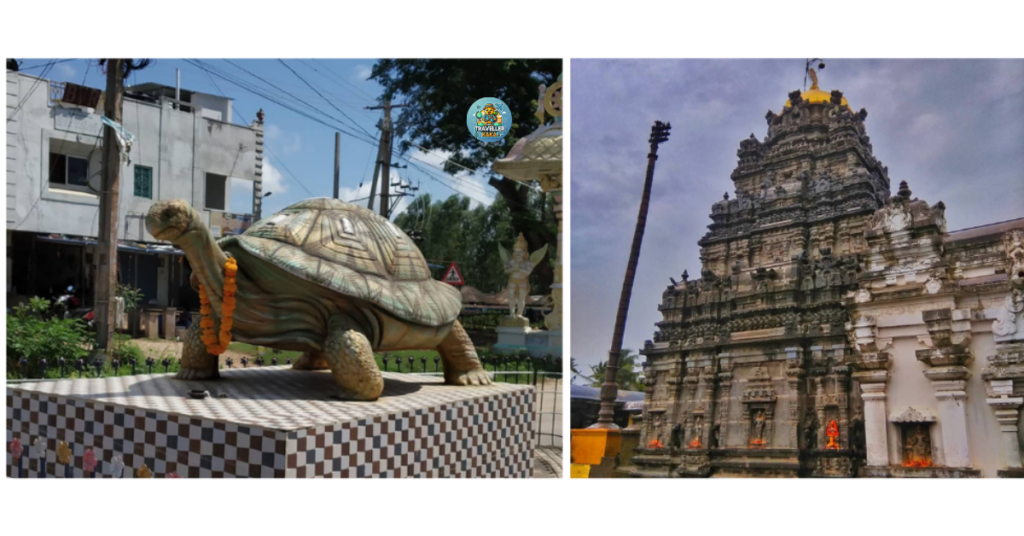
(284, 142)
(273, 181)
(362, 73)
(65, 70)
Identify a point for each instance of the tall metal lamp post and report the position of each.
(610, 387)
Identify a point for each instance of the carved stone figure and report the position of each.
(676, 438)
(329, 278)
(757, 431)
(811, 431)
(519, 265)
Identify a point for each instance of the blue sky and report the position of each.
(298, 145)
(953, 129)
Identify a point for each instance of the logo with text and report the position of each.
(489, 120)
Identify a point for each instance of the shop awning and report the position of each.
(132, 247)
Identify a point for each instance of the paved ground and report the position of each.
(547, 462)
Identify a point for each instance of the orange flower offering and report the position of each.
(215, 344)
(695, 444)
(655, 444)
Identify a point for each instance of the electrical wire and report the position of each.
(324, 98)
(243, 85)
(42, 76)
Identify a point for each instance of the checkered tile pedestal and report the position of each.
(275, 422)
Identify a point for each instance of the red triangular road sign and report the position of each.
(453, 277)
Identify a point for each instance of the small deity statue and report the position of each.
(811, 431)
(518, 266)
(713, 441)
(676, 439)
(758, 433)
(833, 435)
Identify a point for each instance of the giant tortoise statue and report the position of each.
(327, 278)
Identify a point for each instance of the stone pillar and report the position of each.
(872, 373)
(953, 416)
(876, 428)
(948, 356)
(1007, 409)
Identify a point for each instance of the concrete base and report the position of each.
(897, 471)
(539, 343)
(273, 422)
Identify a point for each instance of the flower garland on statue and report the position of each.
(214, 344)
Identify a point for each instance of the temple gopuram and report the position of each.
(836, 329)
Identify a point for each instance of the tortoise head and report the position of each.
(169, 220)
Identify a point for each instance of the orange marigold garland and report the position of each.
(214, 344)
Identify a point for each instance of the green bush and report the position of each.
(32, 337)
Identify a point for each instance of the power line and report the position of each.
(342, 80)
(324, 98)
(372, 142)
(23, 69)
(42, 76)
(265, 146)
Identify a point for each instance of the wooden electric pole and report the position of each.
(106, 269)
(337, 162)
(385, 158)
(610, 387)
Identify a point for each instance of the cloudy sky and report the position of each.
(953, 129)
(300, 161)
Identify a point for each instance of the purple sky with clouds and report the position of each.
(953, 129)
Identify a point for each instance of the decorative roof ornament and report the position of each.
(538, 156)
(912, 415)
(814, 94)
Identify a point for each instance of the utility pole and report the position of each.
(610, 387)
(376, 171)
(337, 162)
(106, 270)
(385, 157)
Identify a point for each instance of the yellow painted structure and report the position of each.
(590, 446)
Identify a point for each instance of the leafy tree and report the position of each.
(628, 377)
(440, 93)
(450, 230)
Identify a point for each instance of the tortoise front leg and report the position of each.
(461, 364)
(196, 362)
(349, 354)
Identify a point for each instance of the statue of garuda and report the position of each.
(518, 266)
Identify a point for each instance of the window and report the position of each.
(144, 182)
(68, 171)
(215, 189)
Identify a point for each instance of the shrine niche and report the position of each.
(915, 437)
(759, 409)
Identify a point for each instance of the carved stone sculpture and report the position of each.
(327, 278)
(519, 265)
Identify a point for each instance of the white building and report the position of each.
(188, 150)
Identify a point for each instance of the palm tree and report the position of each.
(628, 377)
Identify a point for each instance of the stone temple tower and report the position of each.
(750, 368)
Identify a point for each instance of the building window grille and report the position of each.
(144, 182)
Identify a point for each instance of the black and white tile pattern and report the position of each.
(274, 422)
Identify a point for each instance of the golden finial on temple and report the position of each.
(809, 72)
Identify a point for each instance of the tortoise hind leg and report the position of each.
(461, 364)
(196, 362)
(349, 355)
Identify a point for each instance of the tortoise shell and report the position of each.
(350, 250)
